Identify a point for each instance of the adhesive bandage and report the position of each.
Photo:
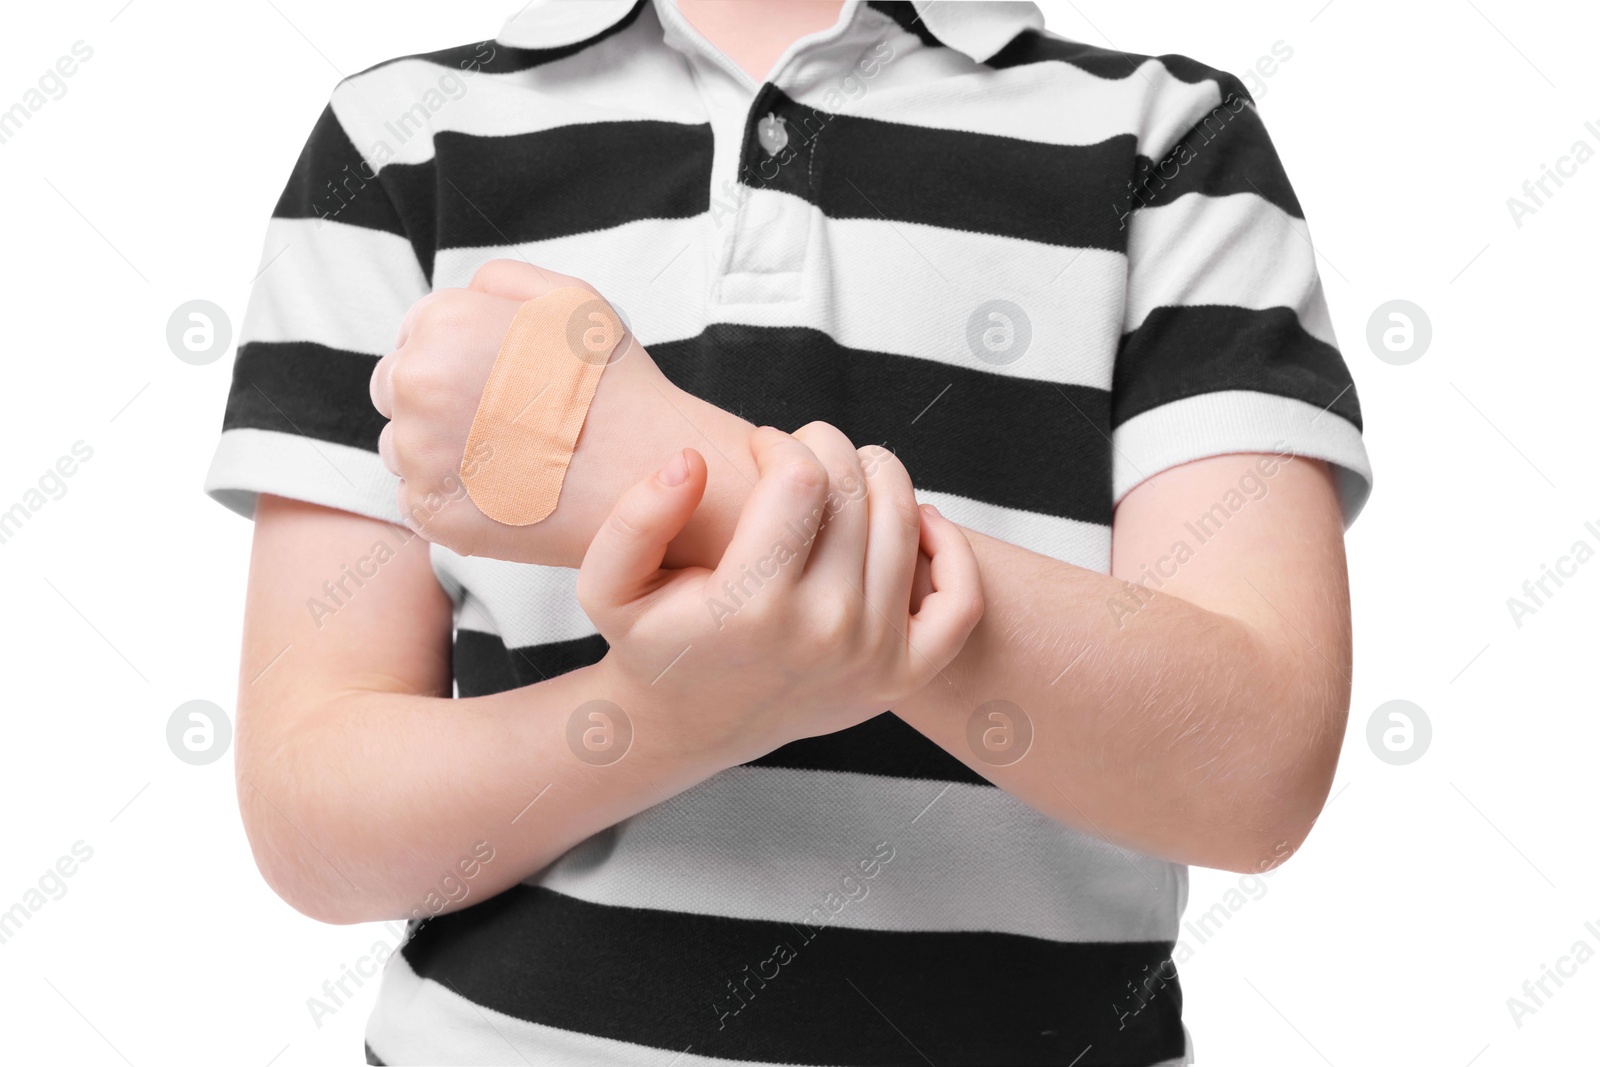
(535, 403)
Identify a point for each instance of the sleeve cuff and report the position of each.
(1215, 424)
(248, 462)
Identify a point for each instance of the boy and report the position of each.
(1068, 292)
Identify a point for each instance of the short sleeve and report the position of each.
(337, 274)
(1227, 344)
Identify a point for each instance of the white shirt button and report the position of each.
(772, 134)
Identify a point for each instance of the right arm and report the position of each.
(361, 782)
(363, 785)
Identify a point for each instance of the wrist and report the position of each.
(704, 740)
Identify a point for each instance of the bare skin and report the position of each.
(756, 43)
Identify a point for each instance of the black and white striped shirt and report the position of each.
(1039, 271)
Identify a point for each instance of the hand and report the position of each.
(429, 388)
(795, 633)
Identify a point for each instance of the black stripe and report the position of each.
(332, 181)
(494, 191)
(839, 995)
(905, 13)
(1227, 151)
(300, 387)
(1179, 352)
(1035, 46)
(1224, 152)
(483, 665)
(1017, 442)
(860, 168)
(883, 745)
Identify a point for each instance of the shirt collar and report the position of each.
(977, 30)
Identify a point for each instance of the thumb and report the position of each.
(626, 553)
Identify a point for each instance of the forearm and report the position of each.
(1170, 729)
(1167, 735)
(374, 805)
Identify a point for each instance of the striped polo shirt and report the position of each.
(1038, 270)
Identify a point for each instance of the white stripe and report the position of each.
(339, 285)
(652, 270)
(1216, 424)
(523, 604)
(248, 462)
(773, 843)
(1054, 103)
(526, 604)
(935, 281)
(1083, 544)
(391, 113)
(1237, 250)
(418, 1020)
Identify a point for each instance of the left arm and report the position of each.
(1196, 714)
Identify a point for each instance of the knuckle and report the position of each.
(970, 609)
(587, 596)
(806, 475)
(409, 379)
(877, 460)
(496, 274)
(441, 312)
(831, 621)
(904, 508)
(626, 524)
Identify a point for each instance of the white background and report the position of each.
(1426, 896)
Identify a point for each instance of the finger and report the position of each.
(947, 615)
(381, 386)
(626, 552)
(840, 551)
(386, 450)
(777, 529)
(894, 530)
